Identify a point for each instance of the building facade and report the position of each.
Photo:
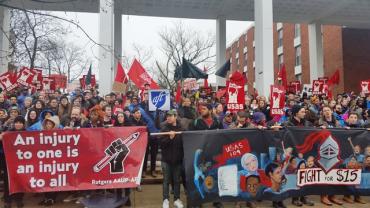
(344, 49)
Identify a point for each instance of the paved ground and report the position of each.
(151, 197)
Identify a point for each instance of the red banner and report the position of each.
(140, 77)
(235, 98)
(277, 100)
(365, 87)
(25, 77)
(8, 81)
(82, 159)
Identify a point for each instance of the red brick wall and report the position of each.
(356, 55)
(333, 54)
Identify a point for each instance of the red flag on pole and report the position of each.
(178, 93)
(282, 76)
(140, 77)
(120, 75)
(335, 78)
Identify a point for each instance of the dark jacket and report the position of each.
(135, 122)
(200, 124)
(186, 112)
(172, 149)
(294, 122)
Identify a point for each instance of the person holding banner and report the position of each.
(19, 125)
(172, 158)
(50, 123)
(207, 122)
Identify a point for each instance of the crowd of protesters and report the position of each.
(199, 110)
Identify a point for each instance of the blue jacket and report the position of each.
(150, 122)
(38, 125)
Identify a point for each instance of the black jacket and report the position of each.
(293, 122)
(172, 149)
(200, 124)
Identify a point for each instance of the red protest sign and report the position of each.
(295, 87)
(48, 84)
(8, 81)
(91, 85)
(324, 79)
(235, 98)
(365, 86)
(317, 87)
(25, 76)
(277, 99)
(82, 159)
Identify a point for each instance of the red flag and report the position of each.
(120, 75)
(282, 77)
(178, 93)
(140, 77)
(335, 78)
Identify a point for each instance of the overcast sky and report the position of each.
(142, 30)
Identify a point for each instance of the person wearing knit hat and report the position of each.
(298, 117)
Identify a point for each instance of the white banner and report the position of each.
(317, 176)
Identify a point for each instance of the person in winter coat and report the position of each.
(172, 157)
(19, 125)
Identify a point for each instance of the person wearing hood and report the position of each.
(38, 125)
(19, 124)
(50, 123)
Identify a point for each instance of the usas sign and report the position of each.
(63, 160)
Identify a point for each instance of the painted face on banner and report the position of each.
(253, 185)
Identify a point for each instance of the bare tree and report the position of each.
(181, 41)
(31, 35)
(65, 58)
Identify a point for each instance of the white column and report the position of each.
(220, 47)
(315, 51)
(117, 40)
(4, 41)
(264, 55)
(106, 50)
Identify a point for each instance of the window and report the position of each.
(281, 60)
(298, 77)
(245, 39)
(280, 37)
(297, 30)
(298, 58)
(237, 64)
(245, 58)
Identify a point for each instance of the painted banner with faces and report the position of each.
(277, 100)
(253, 164)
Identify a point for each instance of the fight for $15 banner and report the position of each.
(235, 98)
(82, 159)
(250, 164)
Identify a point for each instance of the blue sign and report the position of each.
(159, 99)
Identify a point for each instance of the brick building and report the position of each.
(345, 49)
